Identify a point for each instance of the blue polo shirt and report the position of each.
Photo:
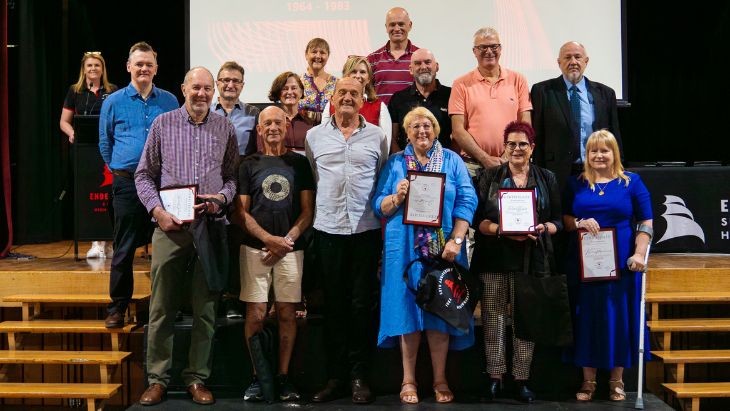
(244, 118)
(125, 121)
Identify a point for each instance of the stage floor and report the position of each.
(59, 256)
(180, 402)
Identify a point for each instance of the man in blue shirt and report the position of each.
(244, 118)
(125, 120)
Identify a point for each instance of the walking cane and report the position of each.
(642, 322)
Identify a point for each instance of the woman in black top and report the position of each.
(85, 97)
(498, 257)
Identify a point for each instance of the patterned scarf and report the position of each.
(429, 241)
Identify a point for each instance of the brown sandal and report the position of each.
(443, 396)
(616, 390)
(586, 391)
(409, 393)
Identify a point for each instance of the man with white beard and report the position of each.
(560, 135)
(426, 91)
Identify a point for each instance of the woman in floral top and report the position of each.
(318, 84)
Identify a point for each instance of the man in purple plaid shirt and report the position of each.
(187, 146)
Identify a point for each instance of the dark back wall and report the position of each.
(677, 86)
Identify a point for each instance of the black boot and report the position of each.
(524, 394)
(493, 389)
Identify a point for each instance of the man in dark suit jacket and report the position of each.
(559, 139)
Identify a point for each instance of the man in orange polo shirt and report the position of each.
(484, 101)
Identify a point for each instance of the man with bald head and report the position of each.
(425, 91)
(390, 62)
(346, 153)
(198, 148)
(275, 206)
(562, 125)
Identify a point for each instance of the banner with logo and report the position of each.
(691, 208)
(92, 191)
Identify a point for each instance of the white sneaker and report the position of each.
(96, 250)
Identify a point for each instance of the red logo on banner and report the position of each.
(108, 177)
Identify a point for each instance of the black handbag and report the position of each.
(446, 290)
(541, 306)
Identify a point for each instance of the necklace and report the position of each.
(601, 189)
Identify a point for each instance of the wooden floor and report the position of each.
(59, 256)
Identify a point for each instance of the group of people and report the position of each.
(323, 171)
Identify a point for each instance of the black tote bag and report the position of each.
(541, 306)
(446, 290)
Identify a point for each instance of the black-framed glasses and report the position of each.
(230, 80)
(512, 145)
(484, 47)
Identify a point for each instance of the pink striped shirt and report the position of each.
(391, 74)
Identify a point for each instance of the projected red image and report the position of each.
(271, 46)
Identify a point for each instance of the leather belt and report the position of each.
(122, 173)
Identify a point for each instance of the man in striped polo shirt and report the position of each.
(391, 62)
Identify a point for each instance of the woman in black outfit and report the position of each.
(85, 97)
(497, 258)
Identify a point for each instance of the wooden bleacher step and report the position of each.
(63, 327)
(89, 392)
(684, 297)
(104, 359)
(31, 303)
(668, 326)
(682, 357)
(686, 286)
(697, 390)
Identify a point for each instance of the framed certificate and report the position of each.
(598, 257)
(179, 201)
(517, 213)
(425, 198)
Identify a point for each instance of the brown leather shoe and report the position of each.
(332, 391)
(361, 393)
(153, 394)
(114, 320)
(200, 394)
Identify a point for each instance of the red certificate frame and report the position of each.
(533, 213)
(424, 188)
(600, 250)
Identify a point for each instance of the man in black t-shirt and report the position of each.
(426, 91)
(276, 205)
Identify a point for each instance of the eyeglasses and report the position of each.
(511, 145)
(92, 53)
(484, 47)
(424, 126)
(230, 80)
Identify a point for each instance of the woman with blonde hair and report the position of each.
(373, 109)
(402, 321)
(606, 313)
(85, 98)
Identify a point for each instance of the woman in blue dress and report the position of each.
(401, 320)
(606, 313)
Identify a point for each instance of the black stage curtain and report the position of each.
(39, 177)
(6, 221)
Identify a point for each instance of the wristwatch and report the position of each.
(458, 240)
